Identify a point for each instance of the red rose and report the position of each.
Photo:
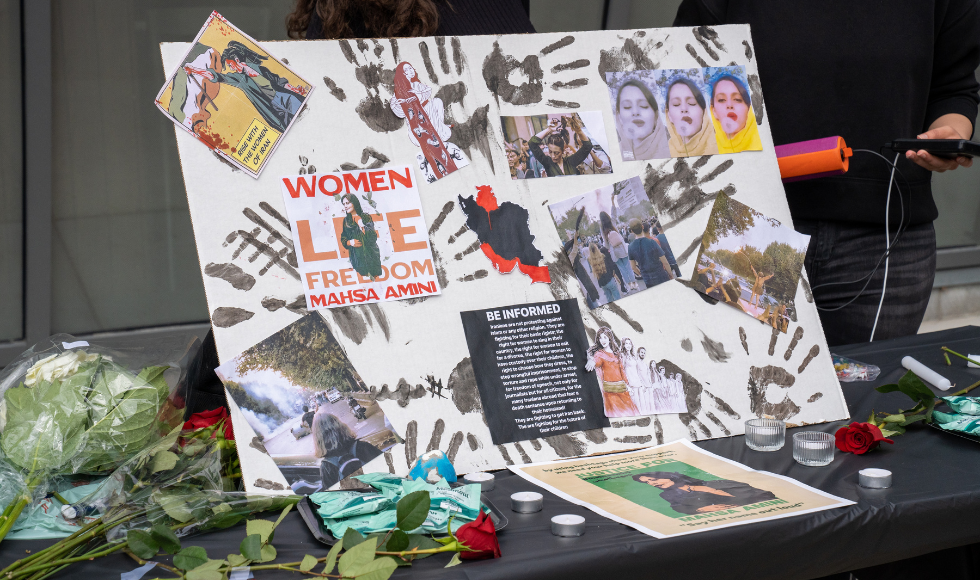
(481, 536)
(859, 438)
(207, 418)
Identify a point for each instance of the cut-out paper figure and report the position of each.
(413, 101)
(504, 234)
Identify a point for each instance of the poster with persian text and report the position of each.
(412, 353)
(361, 236)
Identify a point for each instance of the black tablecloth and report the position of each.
(933, 505)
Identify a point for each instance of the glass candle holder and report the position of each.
(765, 434)
(813, 448)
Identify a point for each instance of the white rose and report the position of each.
(57, 367)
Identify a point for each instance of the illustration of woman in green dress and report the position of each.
(360, 239)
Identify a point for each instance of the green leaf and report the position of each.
(912, 419)
(412, 510)
(357, 556)
(930, 407)
(352, 537)
(165, 537)
(331, 561)
(420, 542)
(282, 516)
(235, 560)
(889, 388)
(913, 386)
(308, 563)
(207, 571)
(380, 569)
(251, 547)
(190, 557)
(894, 419)
(142, 544)
(260, 527)
(892, 429)
(455, 561)
(398, 542)
(174, 503)
(163, 461)
(268, 553)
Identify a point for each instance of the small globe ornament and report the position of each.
(433, 466)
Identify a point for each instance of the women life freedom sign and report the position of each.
(361, 237)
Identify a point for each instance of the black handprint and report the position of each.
(498, 67)
(762, 379)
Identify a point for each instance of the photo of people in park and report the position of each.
(233, 95)
(632, 381)
(750, 262)
(615, 241)
(307, 404)
(556, 144)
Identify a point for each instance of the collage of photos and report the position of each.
(308, 405)
(751, 262)
(661, 114)
(555, 145)
(632, 383)
(614, 241)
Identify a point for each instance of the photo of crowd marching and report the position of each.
(614, 241)
(751, 262)
(632, 383)
(556, 145)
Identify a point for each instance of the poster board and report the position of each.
(733, 367)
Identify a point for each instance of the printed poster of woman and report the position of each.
(688, 495)
(608, 366)
(413, 101)
(360, 238)
(688, 121)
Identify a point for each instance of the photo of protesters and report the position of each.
(751, 262)
(614, 241)
(556, 145)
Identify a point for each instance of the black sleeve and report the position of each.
(534, 145)
(956, 58)
(701, 12)
(580, 155)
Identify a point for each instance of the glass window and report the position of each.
(957, 194)
(11, 176)
(123, 249)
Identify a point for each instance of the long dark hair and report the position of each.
(677, 478)
(742, 90)
(331, 436)
(613, 342)
(238, 51)
(698, 95)
(643, 89)
(365, 217)
(606, 225)
(379, 18)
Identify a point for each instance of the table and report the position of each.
(934, 504)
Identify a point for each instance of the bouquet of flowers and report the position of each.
(69, 410)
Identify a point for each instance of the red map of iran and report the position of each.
(504, 234)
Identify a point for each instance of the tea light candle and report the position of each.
(927, 374)
(874, 478)
(568, 525)
(526, 502)
(815, 444)
(485, 480)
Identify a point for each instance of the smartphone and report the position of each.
(946, 148)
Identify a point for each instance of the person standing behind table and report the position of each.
(646, 254)
(665, 246)
(913, 65)
(606, 272)
(556, 163)
(333, 19)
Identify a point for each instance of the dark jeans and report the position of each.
(841, 252)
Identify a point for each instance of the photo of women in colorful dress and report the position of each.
(688, 495)
(308, 406)
(427, 129)
(233, 95)
(614, 241)
(751, 262)
(640, 124)
(360, 239)
(734, 120)
(631, 384)
(556, 145)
